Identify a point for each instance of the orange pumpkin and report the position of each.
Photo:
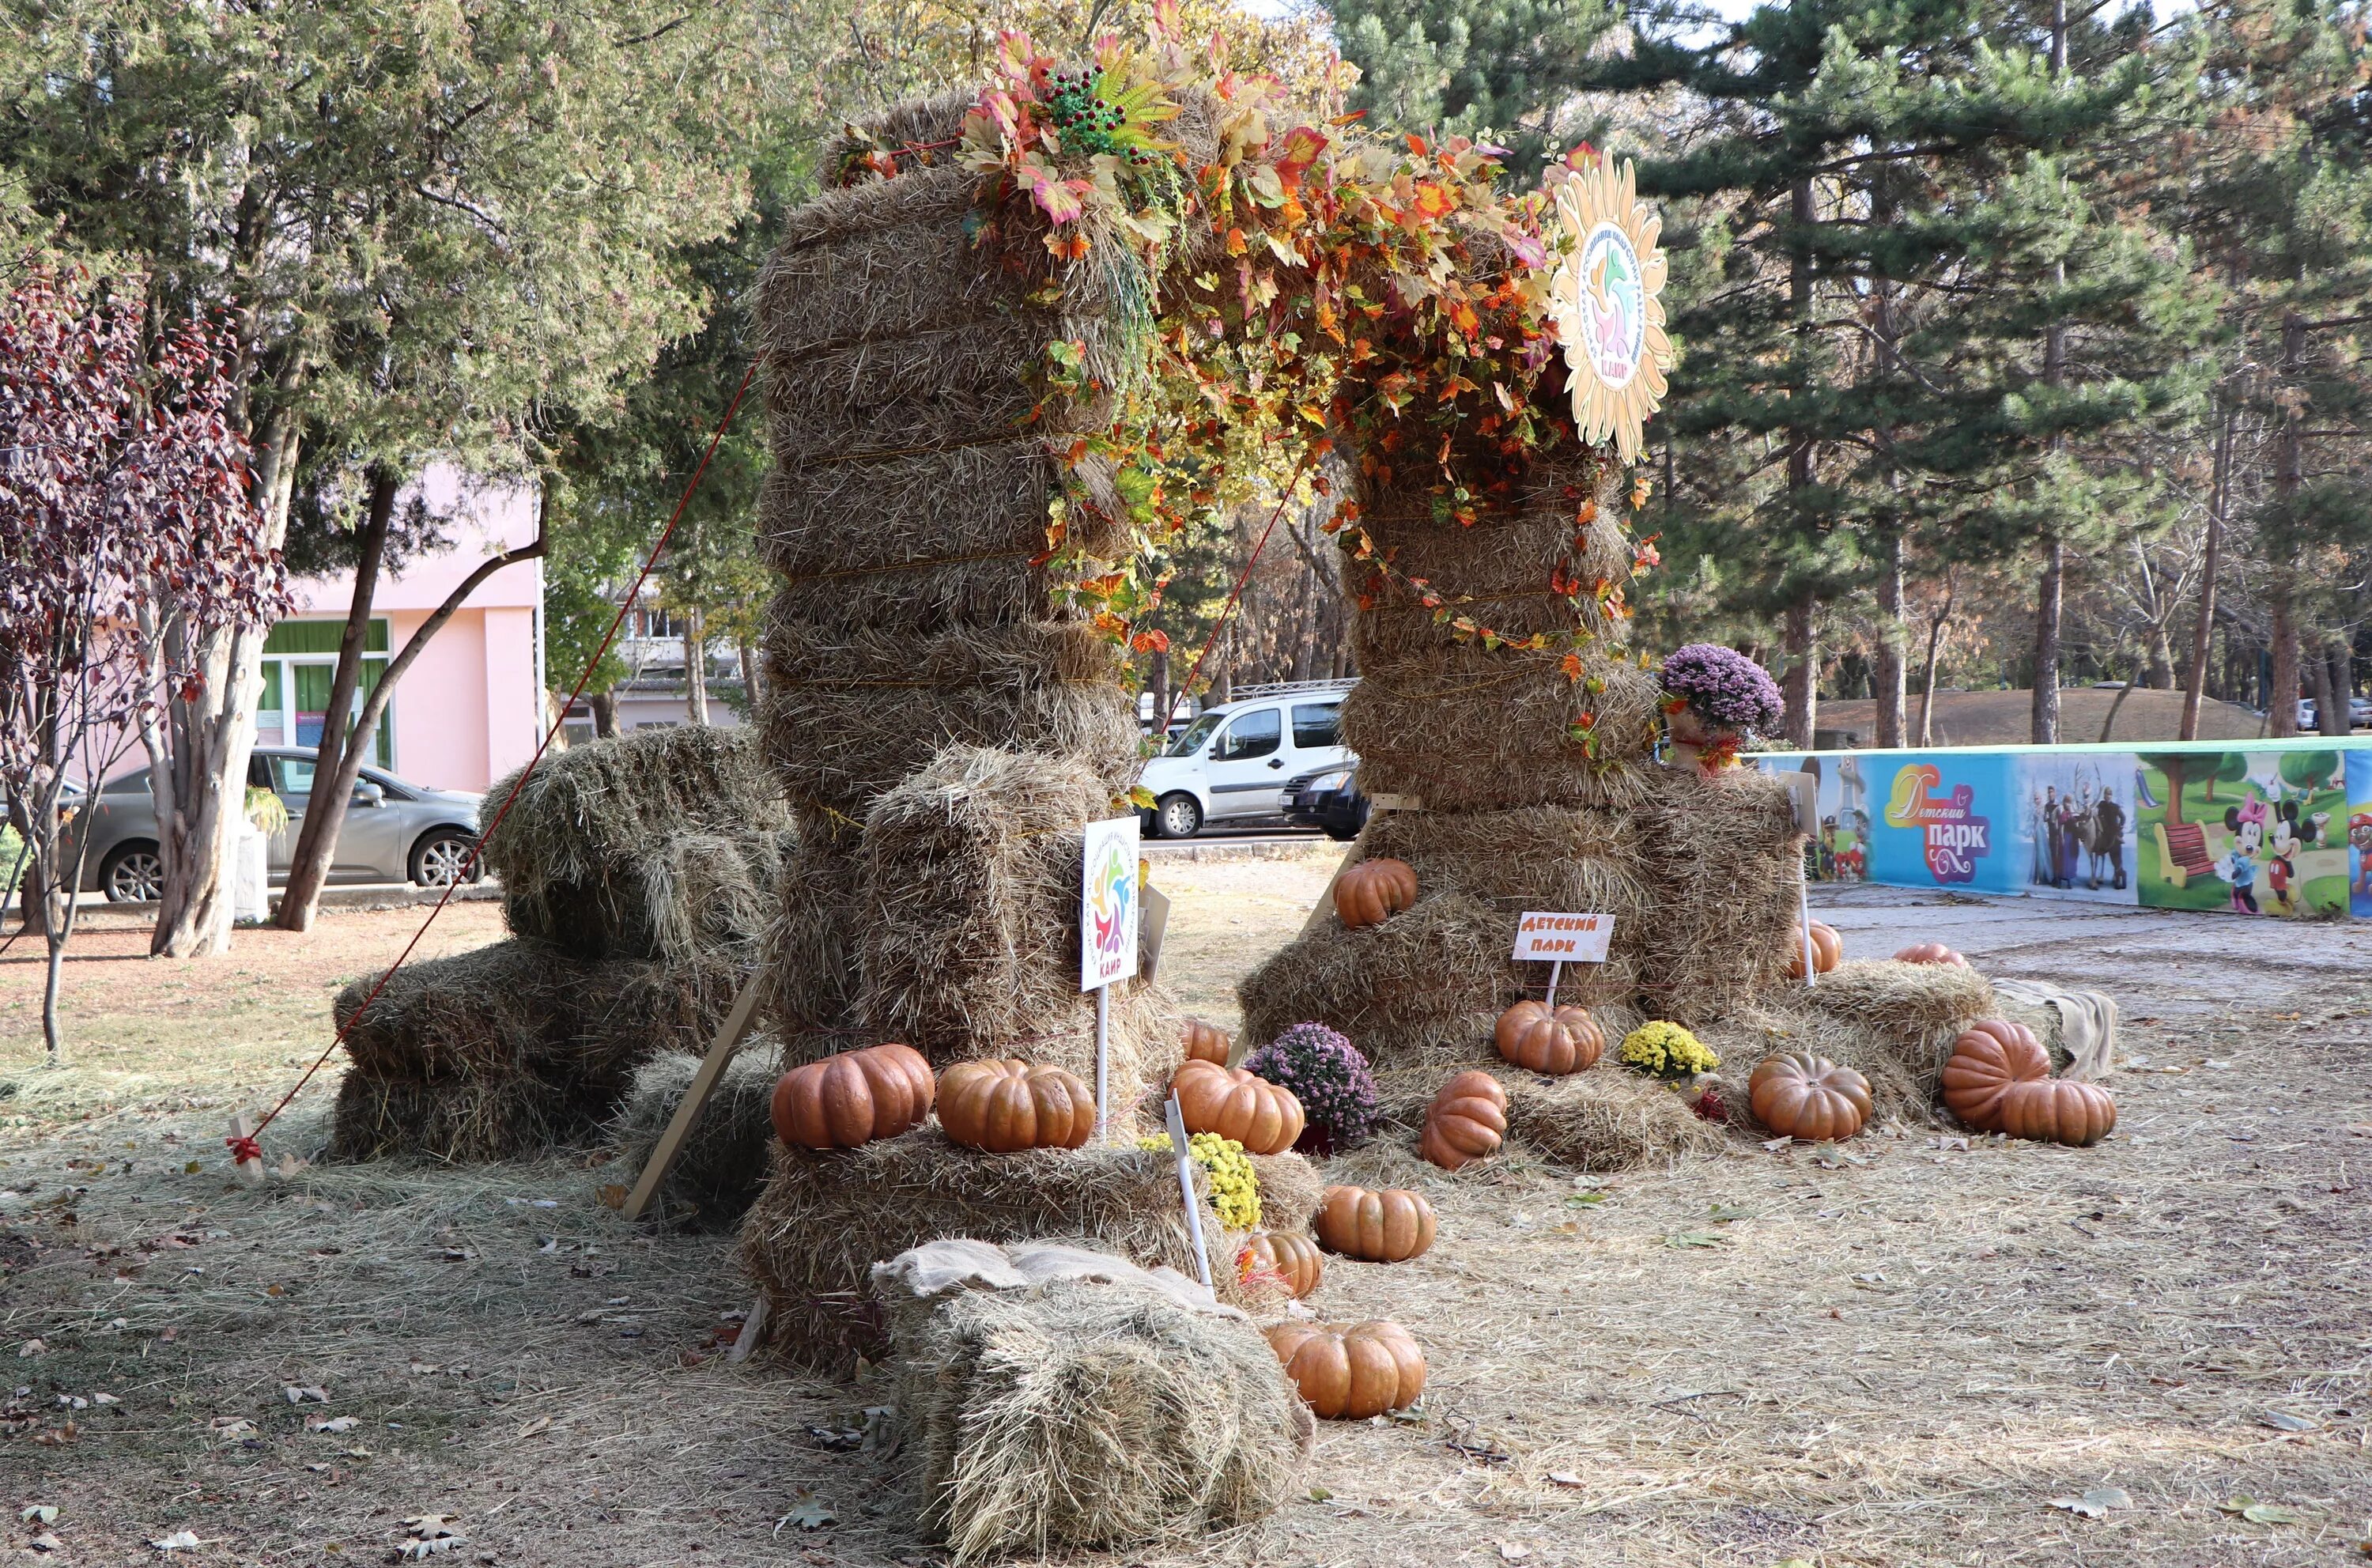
(1349, 1372)
(1808, 1097)
(1931, 953)
(1568, 1040)
(1003, 1107)
(2057, 1111)
(1467, 1120)
(1990, 1055)
(853, 1097)
(1292, 1259)
(1373, 891)
(1389, 1225)
(1264, 1118)
(1828, 948)
(1207, 1043)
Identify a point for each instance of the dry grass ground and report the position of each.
(1897, 1359)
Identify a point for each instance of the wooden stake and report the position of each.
(729, 1036)
(753, 1325)
(249, 1171)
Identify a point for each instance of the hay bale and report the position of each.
(811, 950)
(1533, 857)
(721, 1164)
(653, 844)
(824, 1219)
(1894, 1024)
(493, 1010)
(1607, 1118)
(1726, 862)
(1080, 1414)
(458, 1121)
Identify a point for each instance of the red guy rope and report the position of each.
(250, 1147)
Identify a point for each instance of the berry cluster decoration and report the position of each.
(1235, 1187)
(1666, 1051)
(1329, 1077)
(1722, 686)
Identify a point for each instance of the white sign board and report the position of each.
(1548, 936)
(1110, 903)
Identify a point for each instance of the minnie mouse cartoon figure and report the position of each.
(2246, 823)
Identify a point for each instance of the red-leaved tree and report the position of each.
(129, 543)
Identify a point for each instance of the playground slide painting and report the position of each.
(2248, 832)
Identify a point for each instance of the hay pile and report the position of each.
(1894, 1024)
(1079, 1414)
(1723, 859)
(825, 1219)
(721, 1164)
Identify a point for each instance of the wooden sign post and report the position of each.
(1558, 938)
(1110, 908)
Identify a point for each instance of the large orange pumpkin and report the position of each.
(853, 1097)
(1990, 1055)
(1373, 891)
(2056, 1111)
(1567, 1040)
(1828, 948)
(1467, 1120)
(1931, 953)
(1349, 1372)
(1264, 1118)
(1207, 1043)
(1292, 1259)
(1004, 1106)
(1808, 1097)
(1389, 1225)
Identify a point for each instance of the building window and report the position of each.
(300, 661)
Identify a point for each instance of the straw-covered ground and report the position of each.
(1901, 1358)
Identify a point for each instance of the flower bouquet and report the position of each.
(1713, 698)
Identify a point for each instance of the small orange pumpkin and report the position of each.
(1292, 1259)
(1207, 1043)
(1388, 1225)
(1003, 1107)
(1467, 1120)
(1828, 948)
(2057, 1111)
(1373, 891)
(1808, 1097)
(1264, 1118)
(1989, 1056)
(853, 1097)
(1568, 1040)
(1349, 1372)
(1931, 953)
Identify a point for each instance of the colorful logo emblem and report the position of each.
(1955, 837)
(1605, 297)
(1615, 321)
(1111, 889)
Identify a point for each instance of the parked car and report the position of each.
(1234, 760)
(394, 832)
(1328, 800)
(2359, 713)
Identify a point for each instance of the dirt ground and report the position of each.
(1902, 1358)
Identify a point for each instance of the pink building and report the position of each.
(471, 707)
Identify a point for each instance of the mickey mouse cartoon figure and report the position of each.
(2246, 823)
(2281, 869)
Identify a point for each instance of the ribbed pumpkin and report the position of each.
(1004, 1106)
(2057, 1111)
(1292, 1259)
(1372, 891)
(1931, 953)
(1808, 1097)
(1388, 1225)
(1350, 1371)
(853, 1097)
(1828, 948)
(1567, 1040)
(1990, 1055)
(1207, 1043)
(1467, 1120)
(1264, 1118)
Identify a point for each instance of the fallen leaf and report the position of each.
(38, 1514)
(330, 1424)
(1320, 1495)
(1566, 1478)
(45, 1541)
(2284, 1422)
(809, 1514)
(1695, 1238)
(2258, 1513)
(612, 1196)
(1510, 1551)
(1724, 1213)
(296, 1396)
(1775, 1144)
(540, 1424)
(1583, 1200)
(104, 1399)
(2095, 1502)
(31, 1348)
(180, 1540)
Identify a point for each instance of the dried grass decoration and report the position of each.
(722, 1161)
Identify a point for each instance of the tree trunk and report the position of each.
(1158, 683)
(2289, 472)
(2329, 692)
(1887, 660)
(751, 692)
(605, 713)
(1935, 625)
(696, 666)
(2203, 626)
(2341, 659)
(1801, 687)
(2282, 690)
(309, 865)
(2047, 604)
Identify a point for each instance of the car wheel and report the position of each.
(1181, 816)
(132, 873)
(1339, 833)
(438, 860)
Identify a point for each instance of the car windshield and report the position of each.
(1196, 733)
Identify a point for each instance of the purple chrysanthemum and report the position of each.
(1329, 1077)
(1723, 687)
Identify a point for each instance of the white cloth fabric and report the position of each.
(2088, 1024)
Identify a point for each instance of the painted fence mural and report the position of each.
(2278, 829)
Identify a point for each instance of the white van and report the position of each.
(1234, 761)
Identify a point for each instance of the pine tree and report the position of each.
(1505, 70)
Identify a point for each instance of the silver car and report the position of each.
(394, 832)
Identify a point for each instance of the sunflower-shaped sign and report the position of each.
(1605, 301)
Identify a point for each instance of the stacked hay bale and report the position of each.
(721, 1164)
(639, 876)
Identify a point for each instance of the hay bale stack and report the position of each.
(1894, 1024)
(1725, 861)
(458, 1122)
(824, 1219)
(1079, 1414)
(812, 950)
(721, 1164)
